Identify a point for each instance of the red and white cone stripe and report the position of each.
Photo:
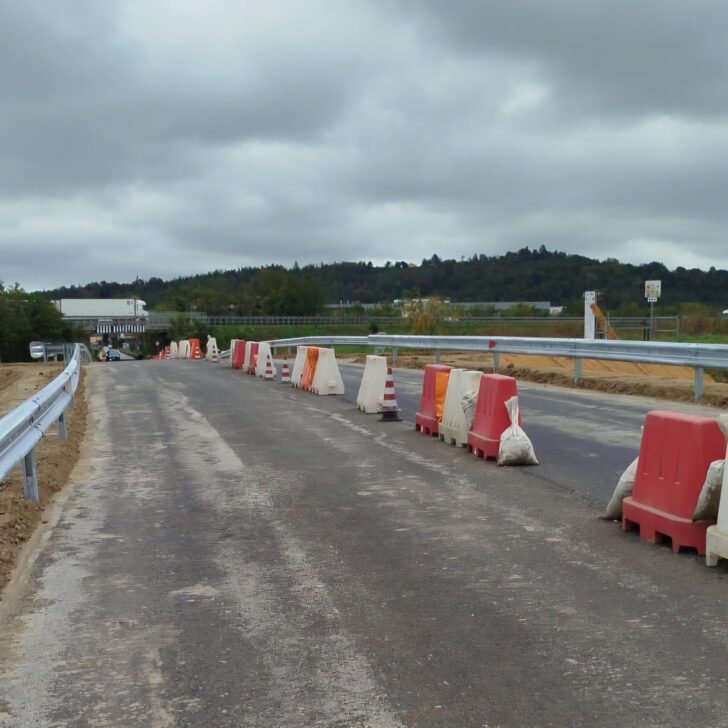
(268, 368)
(389, 401)
(285, 373)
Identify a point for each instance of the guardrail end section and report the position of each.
(30, 476)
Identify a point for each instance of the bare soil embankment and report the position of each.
(19, 517)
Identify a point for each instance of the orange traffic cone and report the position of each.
(389, 411)
(285, 373)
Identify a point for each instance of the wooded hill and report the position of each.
(525, 275)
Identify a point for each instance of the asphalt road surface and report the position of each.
(584, 439)
(233, 552)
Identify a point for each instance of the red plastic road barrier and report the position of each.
(675, 453)
(238, 354)
(166, 352)
(430, 413)
(253, 357)
(195, 349)
(491, 416)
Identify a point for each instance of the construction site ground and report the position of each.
(19, 516)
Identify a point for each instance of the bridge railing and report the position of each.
(22, 429)
(696, 356)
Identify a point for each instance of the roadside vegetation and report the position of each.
(26, 317)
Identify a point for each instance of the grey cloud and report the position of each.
(137, 140)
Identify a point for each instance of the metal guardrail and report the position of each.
(22, 429)
(321, 341)
(696, 356)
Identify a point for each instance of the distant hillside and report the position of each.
(525, 275)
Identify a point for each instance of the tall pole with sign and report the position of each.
(653, 290)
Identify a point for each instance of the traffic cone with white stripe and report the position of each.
(389, 411)
(285, 373)
(268, 374)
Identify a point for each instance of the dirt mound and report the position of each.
(18, 516)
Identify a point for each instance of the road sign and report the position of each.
(653, 289)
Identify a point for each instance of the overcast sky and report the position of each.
(164, 137)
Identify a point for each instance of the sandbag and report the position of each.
(624, 488)
(515, 447)
(468, 402)
(709, 500)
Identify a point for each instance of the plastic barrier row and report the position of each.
(314, 370)
(184, 349)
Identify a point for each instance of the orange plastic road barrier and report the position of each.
(309, 368)
(195, 349)
(166, 352)
(675, 454)
(238, 353)
(253, 357)
(491, 416)
(432, 402)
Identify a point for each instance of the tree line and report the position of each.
(523, 275)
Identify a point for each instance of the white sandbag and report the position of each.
(624, 488)
(298, 364)
(468, 402)
(515, 447)
(707, 506)
(373, 381)
(454, 427)
(264, 354)
(327, 377)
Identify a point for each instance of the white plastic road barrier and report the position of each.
(264, 353)
(327, 378)
(232, 349)
(184, 349)
(247, 360)
(173, 350)
(454, 427)
(211, 348)
(300, 360)
(716, 538)
(373, 381)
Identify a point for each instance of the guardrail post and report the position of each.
(62, 428)
(577, 370)
(30, 476)
(699, 387)
(437, 356)
(394, 356)
(496, 361)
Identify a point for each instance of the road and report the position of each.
(233, 552)
(584, 439)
